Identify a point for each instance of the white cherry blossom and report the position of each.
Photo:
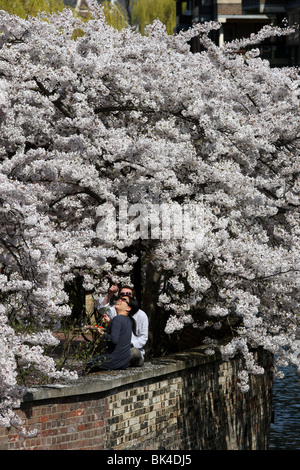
(86, 122)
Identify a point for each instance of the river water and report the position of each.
(285, 431)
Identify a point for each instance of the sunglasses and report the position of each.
(125, 294)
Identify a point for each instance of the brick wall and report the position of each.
(185, 402)
(229, 8)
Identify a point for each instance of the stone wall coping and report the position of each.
(104, 381)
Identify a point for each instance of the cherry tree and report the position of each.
(106, 123)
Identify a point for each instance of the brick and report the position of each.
(195, 408)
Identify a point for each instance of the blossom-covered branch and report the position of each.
(112, 114)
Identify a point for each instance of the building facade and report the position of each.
(240, 18)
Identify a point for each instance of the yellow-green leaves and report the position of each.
(25, 8)
(144, 12)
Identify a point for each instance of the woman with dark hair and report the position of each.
(117, 355)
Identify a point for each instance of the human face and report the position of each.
(125, 292)
(122, 306)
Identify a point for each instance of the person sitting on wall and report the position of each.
(140, 338)
(117, 354)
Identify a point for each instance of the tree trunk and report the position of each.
(149, 304)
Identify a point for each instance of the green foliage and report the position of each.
(114, 14)
(76, 346)
(144, 12)
(24, 8)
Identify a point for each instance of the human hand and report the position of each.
(96, 328)
(106, 319)
(113, 289)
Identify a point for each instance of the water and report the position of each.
(285, 431)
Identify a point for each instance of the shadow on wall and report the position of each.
(220, 415)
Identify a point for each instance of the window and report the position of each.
(294, 19)
(204, 18)
(229, 32)
(186, 7)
